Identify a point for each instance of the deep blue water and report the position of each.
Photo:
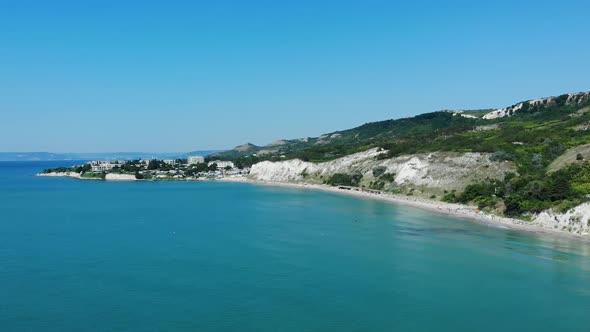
(210, 256)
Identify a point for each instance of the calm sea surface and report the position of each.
(210, 256)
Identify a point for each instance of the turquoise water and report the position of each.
(210, 256)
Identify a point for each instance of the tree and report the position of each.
(201, 167)
(154, 164)
(342, 179)
(83, 169)
(379, 170)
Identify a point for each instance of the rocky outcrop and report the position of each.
(296, 170)
(62, 174)
(436, 171)
(569, 99)
(576, 220)
(120, 177)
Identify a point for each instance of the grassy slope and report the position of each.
(539, 128)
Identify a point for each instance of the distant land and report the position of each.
(48, 156)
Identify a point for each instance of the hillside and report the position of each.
(427, 174)
(498, 159)
(460, 131)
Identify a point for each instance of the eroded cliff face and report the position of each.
(62, 174)
(120, 177)
(576, 220)
(431, 172)
(572, 99)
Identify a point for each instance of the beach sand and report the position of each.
(466, 212)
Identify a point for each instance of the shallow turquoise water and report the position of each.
(208, 256)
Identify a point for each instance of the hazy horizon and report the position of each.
(73, 155)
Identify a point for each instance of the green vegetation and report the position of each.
(341, 179)
(57, 170)
(545, 129)
(82, 169)
(525, 194)
(77, 169)
(378, 171)
(381, 178)
(156, 164)
(94, 175)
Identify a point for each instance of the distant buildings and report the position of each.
(221, 163)
(191, 160)
(165, 169)
(103, 165)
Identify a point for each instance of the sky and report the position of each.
(173, 76)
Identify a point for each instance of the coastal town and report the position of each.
(190, 168)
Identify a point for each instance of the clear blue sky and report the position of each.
(96, 76)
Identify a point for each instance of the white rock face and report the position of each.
(62, 174)
(460, 113)
(576, 220)
(120, 177)
(442, 170)
(292, 170)
(502, 112)
(573, 98)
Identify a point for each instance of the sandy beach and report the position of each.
(460, 211)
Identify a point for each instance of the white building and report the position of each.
(170, 162)
(191, 160)
(221, 163)
(102, 165)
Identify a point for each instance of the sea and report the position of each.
(212, 256)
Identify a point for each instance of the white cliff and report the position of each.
(120, 177)
(576, 220)
(294, 170)
(62, 174)
(572, 98)
(439, 170)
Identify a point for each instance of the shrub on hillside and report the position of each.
(342, 179)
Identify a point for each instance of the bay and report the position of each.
(212, 256)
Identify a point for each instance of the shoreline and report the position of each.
(459, 211)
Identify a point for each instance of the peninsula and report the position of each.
(191, 168)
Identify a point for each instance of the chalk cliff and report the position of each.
(120, 177)
(576, 220)
(432, 172)
(567, 99)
